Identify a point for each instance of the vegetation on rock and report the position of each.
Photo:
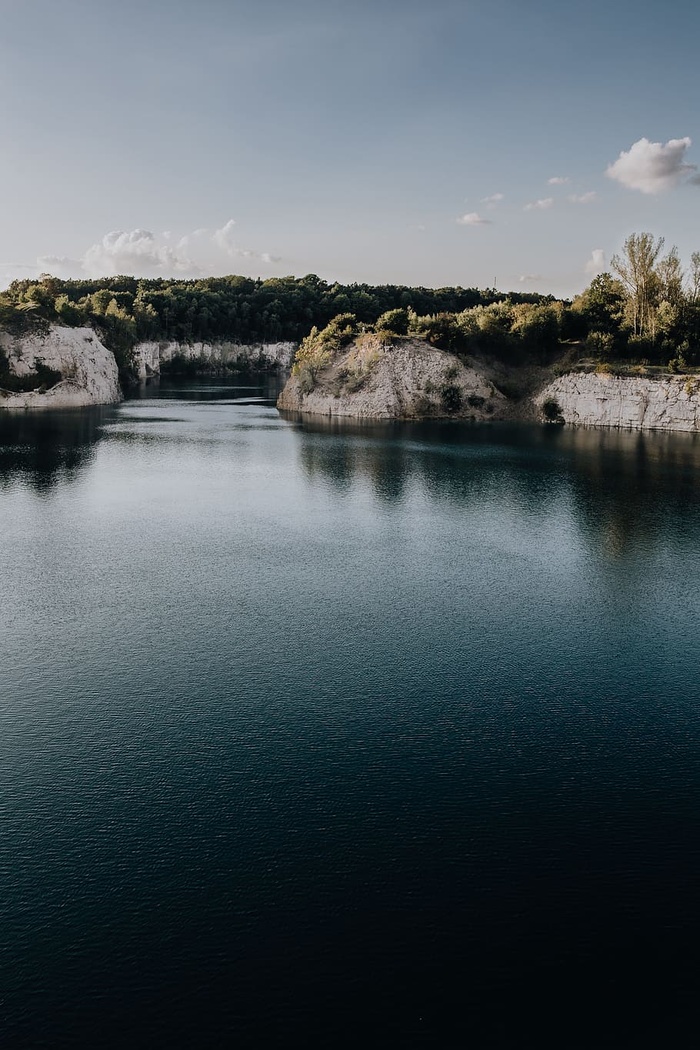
(647, 310)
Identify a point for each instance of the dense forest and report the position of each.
(646, 311)
(241, 309)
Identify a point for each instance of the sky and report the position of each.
(446, 142)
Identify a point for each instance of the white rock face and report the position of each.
(638, 403)
(404, 382)
(89, 371)
(149, 356)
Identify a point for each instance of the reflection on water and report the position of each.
(338, 735)
(213, 388)
(623, 487)
(45, 448)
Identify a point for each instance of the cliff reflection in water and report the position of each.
(622, 488)
(44, 448)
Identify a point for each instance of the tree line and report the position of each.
(646, 310)
(241, 309)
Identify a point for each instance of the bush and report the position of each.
(551, 411)
(393, 321)
(600, 344)
(450, 398)
(319, 347)
(356, 380)
(307, 379)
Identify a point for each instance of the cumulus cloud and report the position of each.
(653, 167)
(596, 263)
(558, 180)
(530, 278)
(583, 198)
(540, 205)
(135, 252)
(60, 266)
(145, 254)
(493, 200)
(473, 218)
(224, 239)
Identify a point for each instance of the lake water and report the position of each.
(335, 735)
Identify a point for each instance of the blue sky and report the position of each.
(346, 139)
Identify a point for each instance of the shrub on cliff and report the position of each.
(551, 410)
(320, 347)
(393, 321)
(450, 397)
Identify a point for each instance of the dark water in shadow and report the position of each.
(331, 735)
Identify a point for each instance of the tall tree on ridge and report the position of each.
(636, 268)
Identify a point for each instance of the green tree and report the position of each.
(602, 305)
(636, 268)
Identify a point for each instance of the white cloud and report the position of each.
(652, 167)
(530, 278)
(596, 263)
(540, 205)
(493, 200)
(583, 198)
(558, 180)
(473, 218)
(224, 239)
(60, 266)
(134, 252)
(144, 254)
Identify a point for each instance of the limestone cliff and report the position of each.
(88, 370)
(639, 403)
(405, 380)
(150, 356)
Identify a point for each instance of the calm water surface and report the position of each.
(321, 736)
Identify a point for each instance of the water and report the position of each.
(332, 735)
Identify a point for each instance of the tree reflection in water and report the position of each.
(46, 448)
(622, 488)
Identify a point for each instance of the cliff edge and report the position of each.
(152, 356)
(406, 379)
(81, 370)
(626, 402)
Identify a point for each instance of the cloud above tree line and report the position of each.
(144, 254)
(596, 263)
(654, 167)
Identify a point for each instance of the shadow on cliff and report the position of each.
(46, 448)
(621, 489)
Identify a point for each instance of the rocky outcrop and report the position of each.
(88, 370)
(638, 403)
(149, 357)
(406, 380)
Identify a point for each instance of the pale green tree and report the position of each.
(637, 269)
